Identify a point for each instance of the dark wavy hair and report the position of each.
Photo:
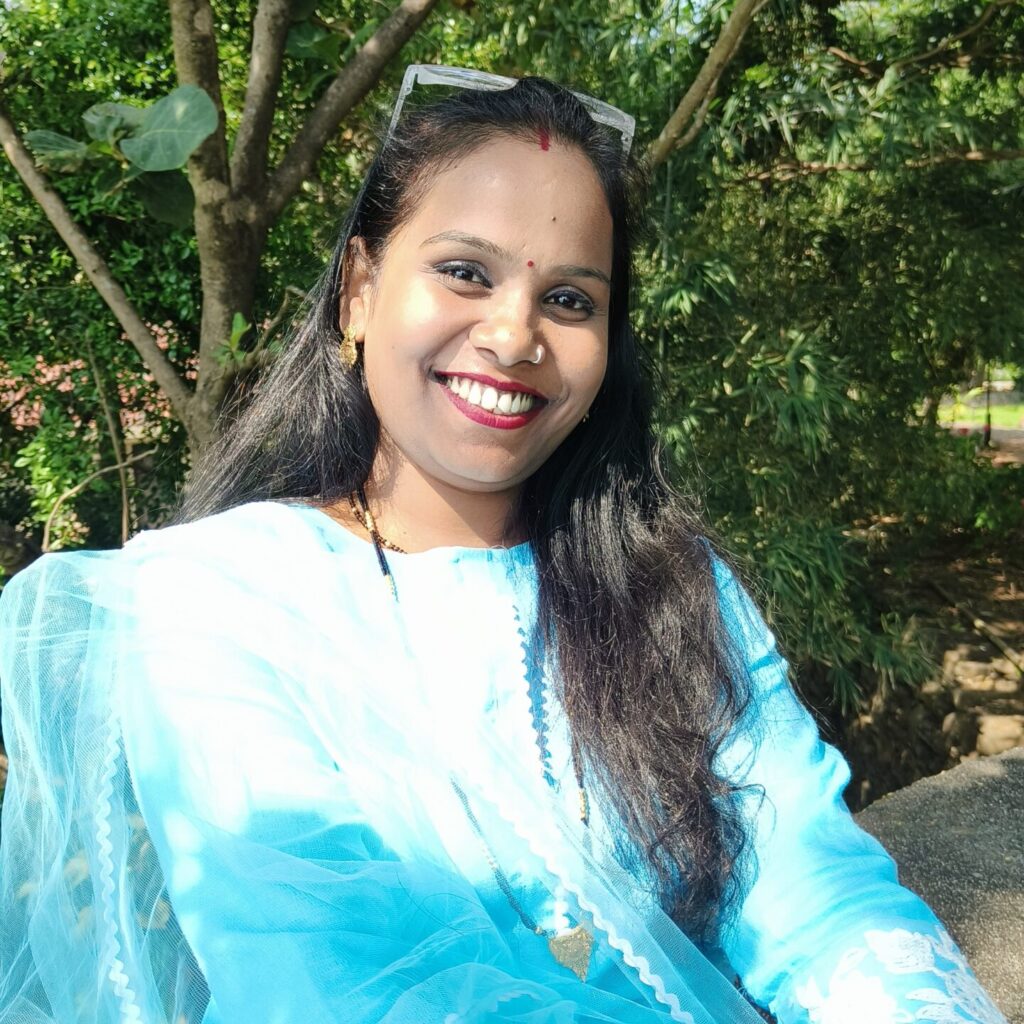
(648, 677)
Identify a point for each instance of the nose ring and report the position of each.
(538, 356)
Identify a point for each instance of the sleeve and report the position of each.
(825, 933)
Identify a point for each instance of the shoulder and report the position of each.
(245, 556)
(259, 528)
(740, 614)
(254, 548)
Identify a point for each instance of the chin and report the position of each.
(487, 479)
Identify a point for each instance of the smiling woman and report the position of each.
(459, 716)
(458, 298)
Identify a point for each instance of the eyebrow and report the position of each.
(567, 269)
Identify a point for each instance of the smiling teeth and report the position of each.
(504, 403)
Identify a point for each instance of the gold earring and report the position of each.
(347, 351)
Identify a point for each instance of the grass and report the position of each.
(1007, 417)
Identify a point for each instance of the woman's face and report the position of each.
(507, 257)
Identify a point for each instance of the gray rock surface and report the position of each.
(958, 839)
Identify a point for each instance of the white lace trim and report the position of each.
(855, 995)
(520, 712)
(111, 955)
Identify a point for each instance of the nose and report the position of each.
(506, 335)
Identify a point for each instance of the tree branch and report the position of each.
(864, 68)
(269, 35)
(799, 169)
(290, 292)
(698, 121)
(195, 56)
(694, 105)
(114, 432)
(956, 37)
(353, 82)
(82, 486)
(99, 274)
(876, 69)
(259, 357)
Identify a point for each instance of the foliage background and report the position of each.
(838, 246)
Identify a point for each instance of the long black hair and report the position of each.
(648, 677)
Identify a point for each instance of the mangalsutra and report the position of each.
(571, 949)
(362, 512)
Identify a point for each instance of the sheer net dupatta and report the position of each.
(86, 931)
(292, 746)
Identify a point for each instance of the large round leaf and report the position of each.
(105, 121)
(167, 197)
(54, 149)
(171, 129)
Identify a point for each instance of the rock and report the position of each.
(993, 700)
(975, 675)
(952, 657)
(988, 682)
(961, 730)
(997, 733)
(958, 839)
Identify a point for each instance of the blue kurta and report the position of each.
(231, 800)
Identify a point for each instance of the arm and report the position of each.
(825, 932)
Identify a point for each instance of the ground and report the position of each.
(969, 603)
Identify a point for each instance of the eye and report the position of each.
(463, 272)
(572, 304)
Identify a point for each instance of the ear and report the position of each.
(355, 296)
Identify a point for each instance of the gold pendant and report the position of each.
(572, 950)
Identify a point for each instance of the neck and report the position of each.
(418, 513)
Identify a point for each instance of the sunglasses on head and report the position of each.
(469, 78)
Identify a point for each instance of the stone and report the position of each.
(952, 657)
(990, 682)
(998, 733)
(958, 838)
(982, 676)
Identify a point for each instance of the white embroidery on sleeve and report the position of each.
(858, 993)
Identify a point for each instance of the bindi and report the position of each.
(529, 263)
(544, 138)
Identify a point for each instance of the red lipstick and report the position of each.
(490, 419)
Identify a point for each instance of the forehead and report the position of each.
(543, 197)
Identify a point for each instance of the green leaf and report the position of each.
(167, 197)
(311, 42)
(53, 148)
(303, 9)
(239, 325)
(107, 122)
(887, 81)
(171, 130)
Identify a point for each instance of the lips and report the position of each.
(502, 401)
(504, 405)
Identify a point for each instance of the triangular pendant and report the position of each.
(572, 950)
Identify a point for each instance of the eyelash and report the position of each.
(450, 270)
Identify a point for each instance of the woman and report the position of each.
(437, 704)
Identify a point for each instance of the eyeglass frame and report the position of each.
(484, 81)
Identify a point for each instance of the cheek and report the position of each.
(587, 371)
(411, 321)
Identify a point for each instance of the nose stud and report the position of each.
(538, 355)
